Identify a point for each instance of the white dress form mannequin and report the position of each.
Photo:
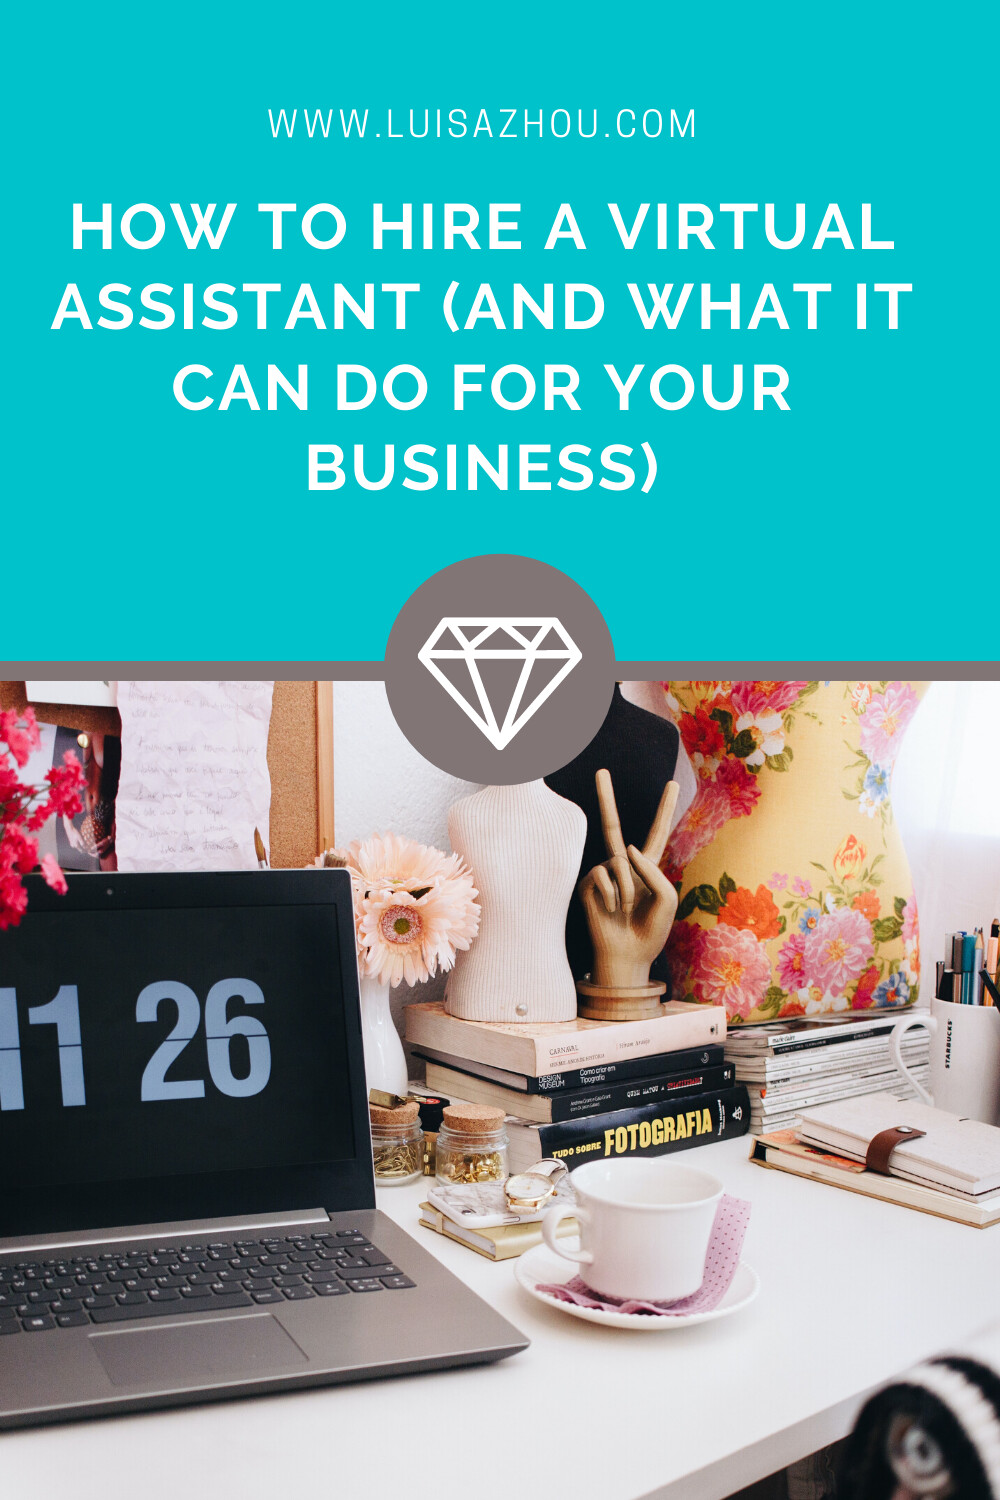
(524, 844)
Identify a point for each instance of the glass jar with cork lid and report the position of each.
(471, 1145)
(397, 1143)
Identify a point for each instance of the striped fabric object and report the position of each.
(524, 845)
(935, 1430)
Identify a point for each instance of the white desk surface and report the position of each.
(853, 1291)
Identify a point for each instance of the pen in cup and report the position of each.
(993, 950)
(968, 959)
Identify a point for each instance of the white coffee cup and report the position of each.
(645, 1225)
(965, 1058)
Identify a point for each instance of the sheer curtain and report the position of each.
(946, 796)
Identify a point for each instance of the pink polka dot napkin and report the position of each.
(724, 1248)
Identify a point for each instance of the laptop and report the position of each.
(187, 1203)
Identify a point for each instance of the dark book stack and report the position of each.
(655, 1102)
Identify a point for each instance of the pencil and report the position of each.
(993, 950)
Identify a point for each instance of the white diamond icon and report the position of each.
(500, 670)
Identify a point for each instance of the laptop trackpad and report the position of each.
(246, 1345)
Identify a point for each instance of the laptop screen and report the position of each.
(181, 1040)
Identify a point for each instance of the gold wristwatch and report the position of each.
(527, 1192)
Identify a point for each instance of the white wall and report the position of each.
(381, 783)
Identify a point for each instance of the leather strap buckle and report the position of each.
(881, 1146)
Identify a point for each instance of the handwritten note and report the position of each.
(194, 780)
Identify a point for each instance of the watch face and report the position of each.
(528, 1187)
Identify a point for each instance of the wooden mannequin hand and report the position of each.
(629, 902)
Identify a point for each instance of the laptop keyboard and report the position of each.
(38, 1295)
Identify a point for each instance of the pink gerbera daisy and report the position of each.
(409, 938)
(414, 907)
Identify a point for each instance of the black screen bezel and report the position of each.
(332, 1185)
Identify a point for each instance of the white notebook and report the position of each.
(958, 1155)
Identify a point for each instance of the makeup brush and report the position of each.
(258, 844)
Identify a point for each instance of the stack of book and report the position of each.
(580, 1090)
(793, 1065)
(952, 1170)
(495, 1241)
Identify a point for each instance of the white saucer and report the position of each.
(538, 1267)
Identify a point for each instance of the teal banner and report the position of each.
(305, 304)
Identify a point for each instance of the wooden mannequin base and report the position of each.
(599, 1002)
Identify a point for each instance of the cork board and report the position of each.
(299, 758)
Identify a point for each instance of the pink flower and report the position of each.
(9, 782)
(414, 907)
(801, 887)
(837, 950)
(13, 900)
(733, 970)
(778, 882)
(884, 720)
(21, 737)
(18, 852)
(24, 807)
(791, 963)
(67, 782)
(911, 930)
(707, 814)
(53, 874)
(757, 697)
(740, 785)
(683, 948)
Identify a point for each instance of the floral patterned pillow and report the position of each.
(795, 895)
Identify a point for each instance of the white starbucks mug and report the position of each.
(645, 1225)
(965, 1058)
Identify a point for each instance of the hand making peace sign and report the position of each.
(629, 902)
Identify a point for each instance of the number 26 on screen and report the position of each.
(63, 1012)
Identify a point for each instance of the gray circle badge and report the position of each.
(499, 669)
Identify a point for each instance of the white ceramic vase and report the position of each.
(524, 844)
(385, 1060)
